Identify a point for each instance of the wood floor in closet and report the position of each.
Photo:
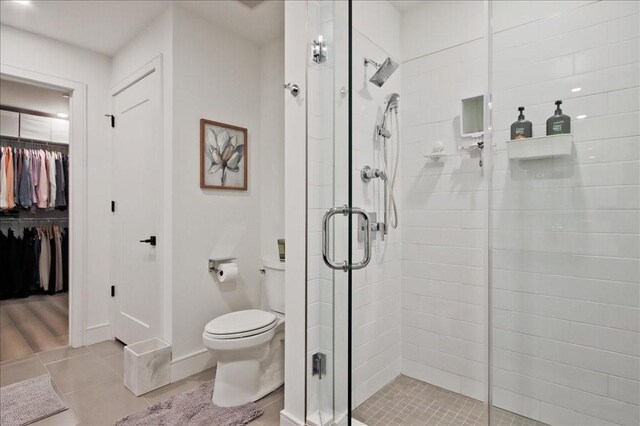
(34, 324)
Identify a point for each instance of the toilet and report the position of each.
(249, 344)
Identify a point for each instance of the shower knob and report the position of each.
(367, 173)
(293, 88)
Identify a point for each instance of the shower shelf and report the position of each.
(435, 156)
(540, 147)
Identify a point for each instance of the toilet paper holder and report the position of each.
(215, 263)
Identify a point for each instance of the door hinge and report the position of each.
(113, 119)
(319, 363)
(113, 206)
(319, 50)
(113, 291)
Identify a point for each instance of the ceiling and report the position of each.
(260, 23)
(106, 26)
(404, 5)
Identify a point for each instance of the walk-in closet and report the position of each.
(34, 218)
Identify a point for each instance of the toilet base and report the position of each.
(238, 382)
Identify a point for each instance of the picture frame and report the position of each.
(223, 156)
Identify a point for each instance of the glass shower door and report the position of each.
(329, 213)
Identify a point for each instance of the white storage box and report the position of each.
(9, 123)
(147, 366)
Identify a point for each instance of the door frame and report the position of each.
(164, 263)
(79, 190)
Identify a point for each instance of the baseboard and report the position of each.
(97, 333)
(190, 364)
(288, 420)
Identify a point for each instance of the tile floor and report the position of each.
(33, 324)
(407, 401)
(89, 379)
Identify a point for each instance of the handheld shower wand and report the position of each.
(388, 176)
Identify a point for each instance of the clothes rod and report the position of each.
(27, 143)
(33, 219)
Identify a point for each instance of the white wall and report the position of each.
(272, 146)
(295, 215)
(566, 277)
(217, 77)
(445, 202)
(40, 54)
(376, 288)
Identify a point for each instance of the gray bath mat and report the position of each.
(193, 408)
(28, 401)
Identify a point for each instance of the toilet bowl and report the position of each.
(249, 346)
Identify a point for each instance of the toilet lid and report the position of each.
(241, 323)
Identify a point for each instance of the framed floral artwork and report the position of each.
(223, 156)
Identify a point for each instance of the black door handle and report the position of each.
(151, 240)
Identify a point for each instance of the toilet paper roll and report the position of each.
(227, 272)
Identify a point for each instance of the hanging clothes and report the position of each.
(4, 204)
(51, 168)
(33, 179)
(61, 200)
(44, 263)
(57, 235)
(43, 181)
(24, 190)
(11, 203)
(34, 262)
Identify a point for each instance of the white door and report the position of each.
(137, 178)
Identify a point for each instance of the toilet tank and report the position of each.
(273, 284)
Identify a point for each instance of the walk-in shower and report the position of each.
(509, 291)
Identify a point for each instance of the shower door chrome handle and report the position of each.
(344, 210)
(326, 243)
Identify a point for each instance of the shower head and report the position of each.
(392, 100)
(384, 71)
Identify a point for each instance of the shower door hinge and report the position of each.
(113, 119)
(319, 50)
(319, 363)
(113, 206)
(113, 291)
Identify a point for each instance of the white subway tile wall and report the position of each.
(565, 236)
(444, 217)
(376, 289)
(566, 244)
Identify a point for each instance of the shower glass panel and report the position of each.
(328, 156)
(565, 224)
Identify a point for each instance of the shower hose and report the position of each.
(391, 208)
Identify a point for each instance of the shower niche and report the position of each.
(472, 117)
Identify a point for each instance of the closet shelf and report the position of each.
(540, 147)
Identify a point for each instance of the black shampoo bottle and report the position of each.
(522, 128)
(558, 123)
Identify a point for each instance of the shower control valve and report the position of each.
(367, 173)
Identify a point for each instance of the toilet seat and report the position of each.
(239, 324)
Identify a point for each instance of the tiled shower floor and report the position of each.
(407, 401)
